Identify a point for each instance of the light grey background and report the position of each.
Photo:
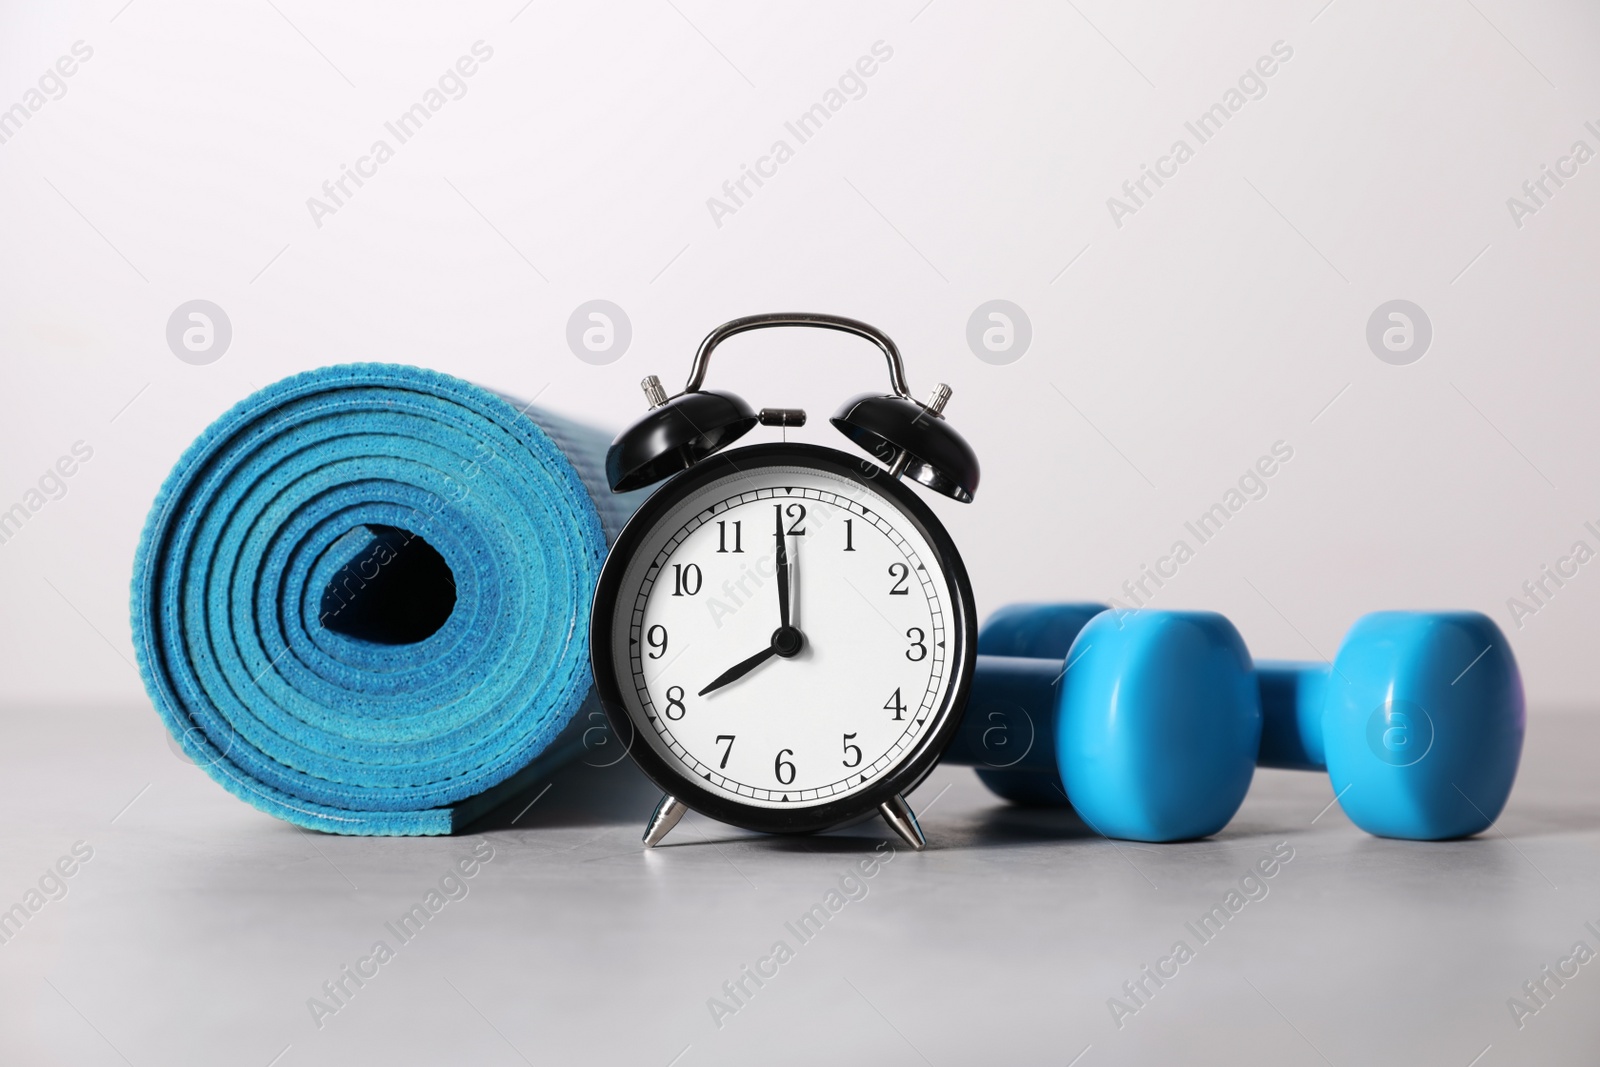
(1225, 315)
(1229, 312)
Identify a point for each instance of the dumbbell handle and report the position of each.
(1022, 653)
(1291, 714)
(1000, 732)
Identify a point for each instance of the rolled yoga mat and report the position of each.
(361, 598)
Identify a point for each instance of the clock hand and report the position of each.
(786, 642)
(783, 572)
(740, 669)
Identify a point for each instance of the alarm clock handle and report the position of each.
(702, 358)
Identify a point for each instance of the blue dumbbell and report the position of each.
(1151, 723)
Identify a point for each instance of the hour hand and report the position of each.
(740, 669)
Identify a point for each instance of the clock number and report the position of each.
(797, 513)
(686, 579)
(725, 752)
(896, 705)
(849, 748)
(899, 572)
(849, 535)
(738, 536)
(656, 638)
(917, 645)
(675, 700)
(780, 765)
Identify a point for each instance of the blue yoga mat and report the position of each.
(361, 598)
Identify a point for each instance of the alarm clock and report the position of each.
(784, 634)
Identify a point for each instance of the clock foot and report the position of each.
(903, 821)
(666, 816)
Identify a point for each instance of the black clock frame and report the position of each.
(677, 781)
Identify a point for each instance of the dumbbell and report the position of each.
(1151, 723)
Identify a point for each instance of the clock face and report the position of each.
(784, 634)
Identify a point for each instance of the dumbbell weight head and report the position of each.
(1036, 631)
(1009, 729)
(1160, 724)
(1422, 723)
(1148, 721)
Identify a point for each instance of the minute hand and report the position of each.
(783, 572)
(740, 669)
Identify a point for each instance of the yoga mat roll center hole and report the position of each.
(396, 590)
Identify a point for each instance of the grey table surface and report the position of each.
(199, 931)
